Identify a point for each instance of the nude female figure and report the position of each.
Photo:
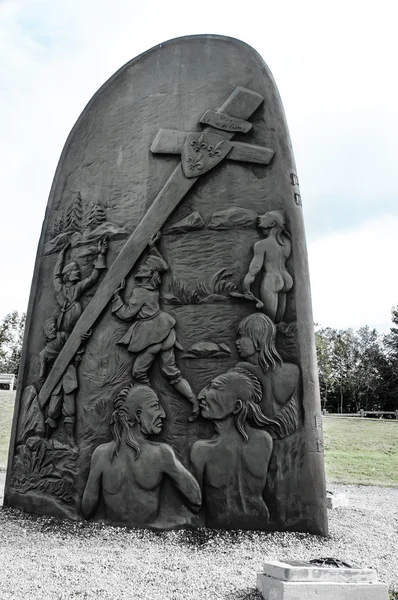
(270, 257)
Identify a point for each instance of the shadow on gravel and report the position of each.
(246, 594)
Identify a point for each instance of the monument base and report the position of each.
(304, 581)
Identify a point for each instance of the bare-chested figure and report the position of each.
(130, 470)
(270, 256)
(232, 466)
(280, 380)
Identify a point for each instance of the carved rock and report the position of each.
(207, 349)
(233, 217)
(169, 328)
(189, 223)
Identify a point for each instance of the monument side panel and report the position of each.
(168, 373)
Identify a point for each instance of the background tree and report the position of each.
(11, 337)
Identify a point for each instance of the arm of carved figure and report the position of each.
(198, 461)
(59, 265)
(182, 478)
(43, 365)
(93, 485)
(126, 312)
(83, 285)
(254, 268)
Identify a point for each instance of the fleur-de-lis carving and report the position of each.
(214, 150)
(199, 144)
(195, 162)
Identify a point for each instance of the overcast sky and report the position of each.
(335, 64)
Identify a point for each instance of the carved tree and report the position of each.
(95, 216)
(74, 214)
(58, 227)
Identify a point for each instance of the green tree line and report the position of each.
(11, 337)
(358, 369)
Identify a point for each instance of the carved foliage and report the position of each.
(46, 467)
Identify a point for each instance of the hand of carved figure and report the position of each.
(121, 287)
(86, 336)
(154, 239)
(103, 246)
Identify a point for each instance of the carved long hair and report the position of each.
(280, 225)
(248, 390)
(277, 222)
(121, 423)
(261, 330)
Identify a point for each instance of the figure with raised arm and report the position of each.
(152, 333)
(69, 287)
(270, 257)
(128, 472)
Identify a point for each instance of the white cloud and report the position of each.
(353, 275)
(334, 64)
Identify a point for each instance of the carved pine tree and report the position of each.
(74, 214)
(95, 216)
(58, 227)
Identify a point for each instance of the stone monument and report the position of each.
(168, 374)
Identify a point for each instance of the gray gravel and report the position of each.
(47, 558)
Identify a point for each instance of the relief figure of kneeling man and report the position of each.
(232, 466)
(129, 471)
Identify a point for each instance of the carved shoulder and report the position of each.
(200, 450)
(291, 372)
(101, 454)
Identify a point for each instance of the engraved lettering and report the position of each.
(297, 199)
(225, 122)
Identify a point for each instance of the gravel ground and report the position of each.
(43, 558)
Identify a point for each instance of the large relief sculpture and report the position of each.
(168, 375)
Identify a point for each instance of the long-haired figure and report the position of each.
(128, 471)
(279, 380)
(270, 257)
(232, 466)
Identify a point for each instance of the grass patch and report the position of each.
(361, 451)
(7, 400)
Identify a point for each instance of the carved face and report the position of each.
(245, 346)
(218, 400)
(74, 274)
(51, 331)
(150, 416)
(143, 272)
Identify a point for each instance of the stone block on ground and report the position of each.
(299, 580)
(336, 500)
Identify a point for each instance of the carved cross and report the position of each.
(200, 152)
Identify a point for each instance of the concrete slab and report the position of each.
(275, 589)
(291, 570)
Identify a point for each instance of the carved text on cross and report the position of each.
(201, 151)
